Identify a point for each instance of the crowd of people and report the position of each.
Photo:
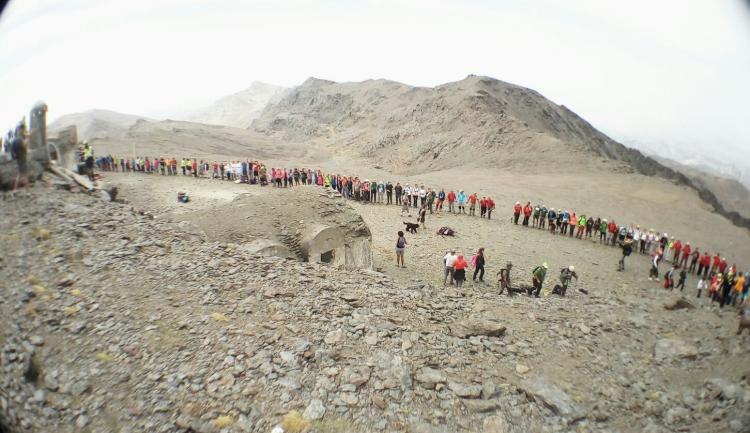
(722, 283)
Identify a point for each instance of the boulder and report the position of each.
(476, 327)
(553, 397)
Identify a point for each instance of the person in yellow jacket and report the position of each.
(88, 159)
(739, 286)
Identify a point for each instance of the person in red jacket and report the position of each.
(611, 230)
(723, 265)
(686, 250)
(451, 200)
(677, 249)
(704, 265)
(516, 212)
(482, 207)
(527, 213)
(716, 262)
(490, 206)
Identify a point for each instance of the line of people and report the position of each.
(350, 187)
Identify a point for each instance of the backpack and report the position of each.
(400, 242)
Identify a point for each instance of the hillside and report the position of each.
(96, 123)
(476, 122)
(731, 193)
(178, 139)
(239, 109)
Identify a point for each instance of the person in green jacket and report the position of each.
(602, 231)
(581, 226)
(537, 279)
(430, 199)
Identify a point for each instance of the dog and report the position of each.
(744, 314)
(411, 227)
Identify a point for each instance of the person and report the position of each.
(451, 200)
(551, 216)
(701, 286)
(543, 217)
(459, 270)
(400, 246)
(88, 158)
(526, 213)
(421, 216)
(478, 263)
(449, 260)
(653, 273)
(686, 250)
(727, 285)
(704, 265)
(537, 279)
(516, 212)
(566, 274)
(535, 216)
(627, 249)
(461, 201)
(681, 280)
(482, 207)
(669, 278)
(440, 200)
(473, 204)
(504, 279)
(430, 199)
(739, 286)
(490, 207)
(602, 231)
(405, 201)
(694, 257)
(19, 153)
(389, 193)
(677, 249)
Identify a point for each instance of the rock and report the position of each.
(495, 424)
(481, 406)
(465, 391)
(82, 421)
(476, 327)
(335, 337)
(679, 304)
(378, 401)
(552, 396)
(429, 377)
(488, 389)
(584, 329)
(36, 340)
(727, 390)
(672, 348)
(315, 410)
(522, 369)
(40, 395)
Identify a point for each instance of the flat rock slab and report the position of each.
(476, 327)
(553, 397)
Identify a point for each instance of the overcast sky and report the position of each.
(654, 72)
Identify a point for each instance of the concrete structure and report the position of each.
(38, 132)
(326, 244)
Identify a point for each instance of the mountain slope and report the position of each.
(239, 109)
(96, 123)
(475, 122)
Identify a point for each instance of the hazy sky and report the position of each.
(656, 72)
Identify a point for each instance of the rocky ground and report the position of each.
(120, 318)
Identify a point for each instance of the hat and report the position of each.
(544, 265)
(518, 202)
(571, 268)
(509, 265)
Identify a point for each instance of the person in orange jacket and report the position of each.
(490, 207)
(472, 204)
